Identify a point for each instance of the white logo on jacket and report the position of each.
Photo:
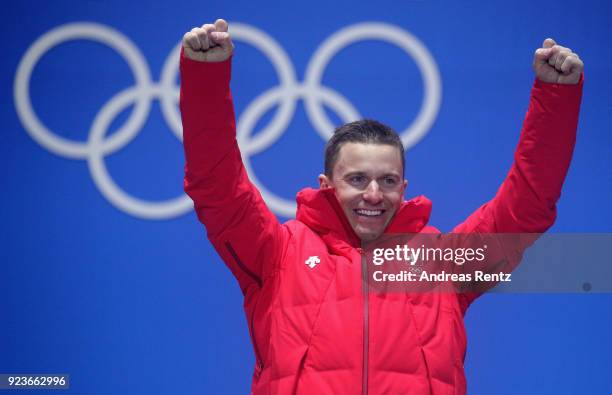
(312, 261)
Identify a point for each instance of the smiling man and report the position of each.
(364, 163)
(316, 326)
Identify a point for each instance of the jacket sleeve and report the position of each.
(245, 233)
(526, 201)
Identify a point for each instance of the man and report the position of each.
(316, 326)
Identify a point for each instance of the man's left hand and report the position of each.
(556, 64)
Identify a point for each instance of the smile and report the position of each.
(369, 213)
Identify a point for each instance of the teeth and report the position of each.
(369, 213)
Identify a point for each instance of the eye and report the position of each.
(390, 181)
(357, 180)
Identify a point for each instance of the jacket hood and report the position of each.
(320, 210)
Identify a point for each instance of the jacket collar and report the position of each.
(320, 210)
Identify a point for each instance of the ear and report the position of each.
(404, 185)
(324, 182)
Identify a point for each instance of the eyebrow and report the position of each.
(354, 173)
(362, 173)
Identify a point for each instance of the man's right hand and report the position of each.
(209, 43)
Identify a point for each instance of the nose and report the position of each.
(373, 195)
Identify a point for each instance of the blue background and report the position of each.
(128, 305)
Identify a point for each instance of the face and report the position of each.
(369, 184)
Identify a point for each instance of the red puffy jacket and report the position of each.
(320, 330)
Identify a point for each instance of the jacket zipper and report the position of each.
(366, 321)
(241, 265)
(354, 240)
(254, 277)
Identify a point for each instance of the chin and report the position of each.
(368, 236)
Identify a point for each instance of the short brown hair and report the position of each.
(366, 131)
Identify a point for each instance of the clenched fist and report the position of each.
(209, 43)
(556, 64)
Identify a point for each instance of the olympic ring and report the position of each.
(285, 95)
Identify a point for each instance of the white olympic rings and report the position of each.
(285, 95)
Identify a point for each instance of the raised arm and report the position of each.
(526, 201)
(242, 229)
